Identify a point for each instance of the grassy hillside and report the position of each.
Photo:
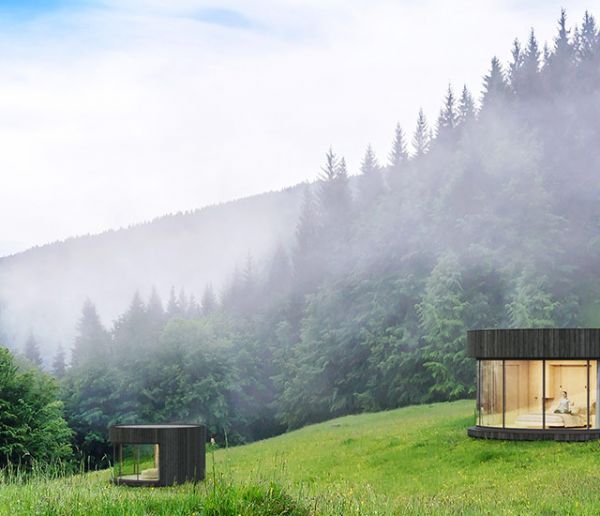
(413, 460)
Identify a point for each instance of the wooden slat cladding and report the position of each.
(528, 434)
(534, 343)
(182, 449)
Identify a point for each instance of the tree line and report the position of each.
(491, 219)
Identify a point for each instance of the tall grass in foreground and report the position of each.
(414, 460)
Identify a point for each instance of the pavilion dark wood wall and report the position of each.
(182, 449)
(548, 343)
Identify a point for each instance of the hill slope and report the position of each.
(43, 289)
(414, 460)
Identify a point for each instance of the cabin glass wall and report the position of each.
(490, 395)
(568, 394)
(523, 390)
(137, 462)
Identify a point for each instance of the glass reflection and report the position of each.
(490, 399)
(539, 394)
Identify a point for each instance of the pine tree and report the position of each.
(335, 199)
(370, 182)
(329, 171)
(515, 68)
(132, 333)
(279, 273)
(531, 306)
(588, 39)
(209, 300)
(531, 67)
(173, 308)
(182, 302)
(466, 107)
(448, 117)
(154, 309)
(32, 351)
(587, 47)
(563, 50)
(59, 366)
(442, 315)
(92, 343)
(494, 86)
(194, 311)
(305, 262)
(249, 279)
(421, 137)
(398, 154)
(247, 297)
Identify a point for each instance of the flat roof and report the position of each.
(534, 343)
(159, 427)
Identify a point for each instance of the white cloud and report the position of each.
(118, 113)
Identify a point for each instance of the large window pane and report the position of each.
(135, 462)
(523, 403)
(567, 393)
(490, 395)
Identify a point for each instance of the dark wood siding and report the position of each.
(575, 343)
(529, 434)
(182, 449)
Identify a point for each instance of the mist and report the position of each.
(350, 293)
(42, 290)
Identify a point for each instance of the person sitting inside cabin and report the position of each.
(564, 405)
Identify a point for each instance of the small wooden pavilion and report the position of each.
(158, 455)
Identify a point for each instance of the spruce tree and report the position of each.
(182, 302)
(530, 305)
(442, 314)
(466, 107)
(588, 39)
(587, 47)
(306, 266)
(209, 300)
(398, 154)
(132, 334)
(447, 118)
(370, 182)
(154, 306)
(515, 68)
(279, 273)
(494, 86)
(421, 137)
(335, 198)
(194, 311)
(563, 49)
(173, 308)
(32, 351)
(531, 68)
(92, 343)
(59, 366)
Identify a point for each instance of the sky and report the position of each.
(115, 112)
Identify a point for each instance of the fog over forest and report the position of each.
(348, 295)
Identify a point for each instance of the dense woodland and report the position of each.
(487, 217)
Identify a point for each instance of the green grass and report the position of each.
(416, 460)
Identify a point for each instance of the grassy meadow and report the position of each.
(415, 460)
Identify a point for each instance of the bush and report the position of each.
(32, 428)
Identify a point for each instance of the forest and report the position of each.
(487, 216)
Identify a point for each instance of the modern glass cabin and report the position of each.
(536, 383)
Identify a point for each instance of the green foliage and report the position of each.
(531, 306)
(443, 313)
(32, 427)
(492, 222)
